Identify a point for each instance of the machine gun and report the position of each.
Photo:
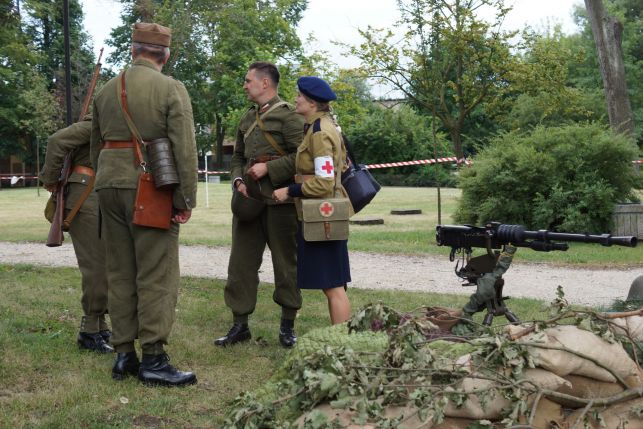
(485, 271)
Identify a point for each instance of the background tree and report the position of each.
(608, 32)
(213, 42)
(28, 111)
(43, 25)
(400, 134)
(559, 178)
(448, 62)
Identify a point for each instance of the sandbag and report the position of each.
(624, 415)
(494, 402)
(586, 388)
(609, 355)
(632, 324)
(548, 414)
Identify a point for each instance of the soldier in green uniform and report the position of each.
(263, 160)
(143, 262)
(90, 251)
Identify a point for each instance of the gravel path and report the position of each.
(377, 271)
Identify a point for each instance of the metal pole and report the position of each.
(207, 196)
(67, 61)
(37, 167)
(437, 175)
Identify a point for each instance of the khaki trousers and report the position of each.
(277, 228)
(90, 254)
(142, 272)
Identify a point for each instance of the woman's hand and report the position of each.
(280, 195)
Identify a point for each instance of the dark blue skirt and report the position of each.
(322, 264)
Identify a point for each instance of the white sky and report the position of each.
(339, 20)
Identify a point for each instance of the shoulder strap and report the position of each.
(121, 94)
(263, 115)
(269, 136)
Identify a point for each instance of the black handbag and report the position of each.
(360, 185)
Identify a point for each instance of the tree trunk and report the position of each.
(607, 32)
(456, 139)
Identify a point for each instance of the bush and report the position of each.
(564, 178)
(400, 134)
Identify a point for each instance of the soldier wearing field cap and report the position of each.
(90, 251)
(320, 160)
(143, 262)
(263, 159)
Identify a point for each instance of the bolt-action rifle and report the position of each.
(60, 223)
(485, 271)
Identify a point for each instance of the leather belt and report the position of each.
(301, 178)
(80, 169)
(262, 158)
(112, 144)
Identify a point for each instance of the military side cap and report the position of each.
(153, 34)
(316, 89)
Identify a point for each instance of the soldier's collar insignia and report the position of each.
(264, 108)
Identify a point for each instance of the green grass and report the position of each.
(21, 219)
(45, 381)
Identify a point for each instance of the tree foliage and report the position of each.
(448, 62)
(28, 110)
(400, 134)
(213, 42)
(560, 178)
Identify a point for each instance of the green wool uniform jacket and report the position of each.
(160, 107)
(286, 127)
(75, 139)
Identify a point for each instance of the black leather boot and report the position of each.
(93, 342)
(287, 336)
(126, 364)
(155, 370)
(237, 334)
(106, 334)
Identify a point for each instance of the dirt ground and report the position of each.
(378, 271)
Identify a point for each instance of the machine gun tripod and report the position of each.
(485, 271)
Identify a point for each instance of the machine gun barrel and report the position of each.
(518, 234)
(495, 235)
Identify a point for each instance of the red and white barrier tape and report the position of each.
(420, 162)
(406, 163)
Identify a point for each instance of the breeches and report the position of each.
(275, 227)
(142, 272)
(90, 254)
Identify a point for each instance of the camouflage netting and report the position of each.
(385, 369)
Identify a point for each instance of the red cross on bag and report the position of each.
(326, 209)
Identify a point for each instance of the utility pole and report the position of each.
(67, 61)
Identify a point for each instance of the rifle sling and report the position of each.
(74, 210)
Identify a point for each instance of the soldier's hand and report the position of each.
(182, 216)
(51, 187)
(258, 170)
(241, 187)
(280, 195)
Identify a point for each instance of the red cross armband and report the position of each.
(324, 166)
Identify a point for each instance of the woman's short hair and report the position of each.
(154, 52)
(266, 69)
(322, 106)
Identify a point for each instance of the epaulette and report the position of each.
(317, 126)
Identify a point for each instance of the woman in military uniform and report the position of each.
(321, 264)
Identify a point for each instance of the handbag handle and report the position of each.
(349, 149)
